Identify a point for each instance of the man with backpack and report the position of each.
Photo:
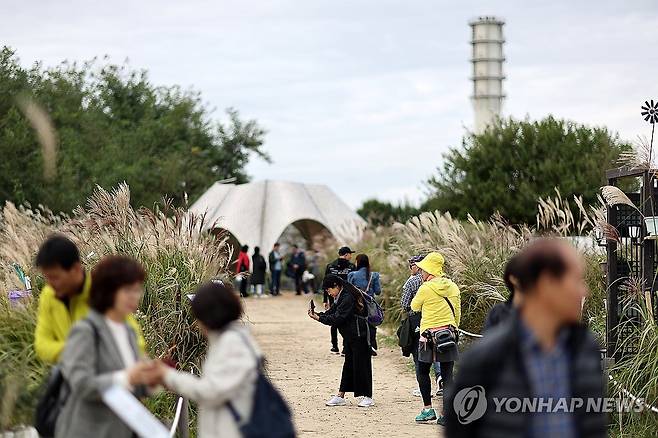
(340, 267)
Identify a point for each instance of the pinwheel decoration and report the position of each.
(650, 111)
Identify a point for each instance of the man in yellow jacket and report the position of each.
(63, 301)
(438, 300)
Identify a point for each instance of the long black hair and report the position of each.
(362, 261)
(510, 276)
(331, 281)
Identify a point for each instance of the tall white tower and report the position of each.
(487, 41)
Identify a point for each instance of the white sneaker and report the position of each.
(439, 386)
(336, 401)
(416, 392)
(366, 402)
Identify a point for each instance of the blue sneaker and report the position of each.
(426, 415)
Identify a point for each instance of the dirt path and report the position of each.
(301, 366)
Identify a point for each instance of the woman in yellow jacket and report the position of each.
(438, 300)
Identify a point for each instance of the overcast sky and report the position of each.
(364, 96)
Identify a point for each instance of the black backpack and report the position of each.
(54, 397)
(270, 416)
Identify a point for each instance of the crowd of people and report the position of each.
(86, 327)
(302, 270)
(533, 346)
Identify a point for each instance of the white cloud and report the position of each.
(363, 96)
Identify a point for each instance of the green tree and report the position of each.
(513, 163)
(384, 213)
(114, 125)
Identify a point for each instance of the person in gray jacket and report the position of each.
(101, 351)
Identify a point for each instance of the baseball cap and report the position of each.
(345, 250)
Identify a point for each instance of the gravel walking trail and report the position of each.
(301, 366)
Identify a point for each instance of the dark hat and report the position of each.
(345, 250)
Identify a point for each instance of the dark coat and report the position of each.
(259, 269)
(496, 364)
(497, 315)
(298, 259)
(344, 315)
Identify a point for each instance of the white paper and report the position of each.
(133, 413)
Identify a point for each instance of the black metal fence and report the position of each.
(632, 262)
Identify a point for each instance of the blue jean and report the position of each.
(275, 284)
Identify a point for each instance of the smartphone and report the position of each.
(312, 306)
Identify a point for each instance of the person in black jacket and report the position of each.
(296, 267)
(541, 354)
(340, 267)
(502, 311)
(350, 316)
(259, 268)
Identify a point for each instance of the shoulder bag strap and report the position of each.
(451, 308)
(369, 281)
(449, 304)
(96, 342)
(259, 363)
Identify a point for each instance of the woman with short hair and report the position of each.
(102, 351)
(350, 316)
(230, 370)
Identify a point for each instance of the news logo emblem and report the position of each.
(470, 404)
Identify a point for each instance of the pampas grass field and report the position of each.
(167, 241)
(177, 256)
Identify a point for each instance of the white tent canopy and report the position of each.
(256, 214)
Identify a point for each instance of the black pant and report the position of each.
(243, 287)
(334, 330)
(373, 336)
(423, 377)
(357, 369)
(299, 284)
(275, 285)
